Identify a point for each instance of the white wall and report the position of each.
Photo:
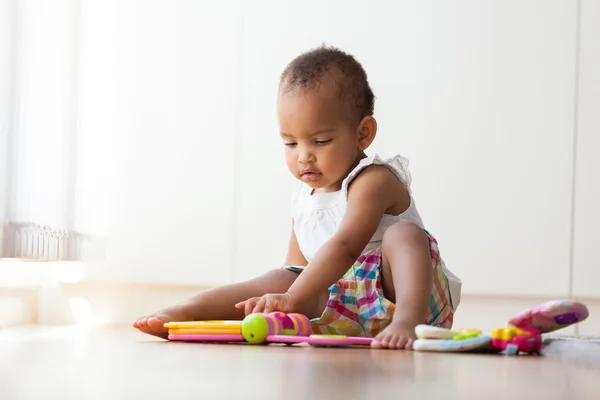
(6, 40)
(157, 184)
(586, 274)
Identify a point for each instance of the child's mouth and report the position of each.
(310, 176)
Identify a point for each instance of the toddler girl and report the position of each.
(360, 261)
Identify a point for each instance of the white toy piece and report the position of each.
(479, 342)
(434, 332)
(432, 338)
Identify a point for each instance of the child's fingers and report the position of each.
(269, 307)
(250, 303)
(273, 305)
(260, 305)
(241, 304)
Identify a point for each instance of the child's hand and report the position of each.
(268, 303)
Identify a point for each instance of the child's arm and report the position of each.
(370, 195)
(294, 255)
(375, 191)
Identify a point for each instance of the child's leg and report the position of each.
(407, 279)
(219, 303)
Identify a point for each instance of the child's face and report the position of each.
(321, 141)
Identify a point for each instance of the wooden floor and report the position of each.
(65, 364)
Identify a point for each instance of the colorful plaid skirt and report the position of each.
(357, 306)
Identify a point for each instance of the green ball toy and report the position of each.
(255, 328)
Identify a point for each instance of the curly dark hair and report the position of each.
(326, 65)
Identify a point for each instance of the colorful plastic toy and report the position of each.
(515, 340)
(257, 328)
(437, 339)
(434, 332)
(551, 316)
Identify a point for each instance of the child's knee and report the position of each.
(403, 232)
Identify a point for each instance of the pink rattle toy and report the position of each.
(551, 316)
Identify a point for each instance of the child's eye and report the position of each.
(291, 144)
(322, 141)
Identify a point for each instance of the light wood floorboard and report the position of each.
(61, 363)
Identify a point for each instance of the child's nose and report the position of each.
(304, 156)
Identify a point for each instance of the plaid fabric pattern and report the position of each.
(357, 306)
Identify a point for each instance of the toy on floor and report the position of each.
(276, 327)
(522, 335)
(551, 316)
(431, 338)
(515, 340)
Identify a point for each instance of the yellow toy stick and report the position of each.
(204, 325)
(201, 331)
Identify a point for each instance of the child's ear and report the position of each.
(367, 130)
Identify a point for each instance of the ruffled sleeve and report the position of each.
(398, 165)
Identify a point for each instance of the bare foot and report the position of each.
(397, 335)
(153, 324)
